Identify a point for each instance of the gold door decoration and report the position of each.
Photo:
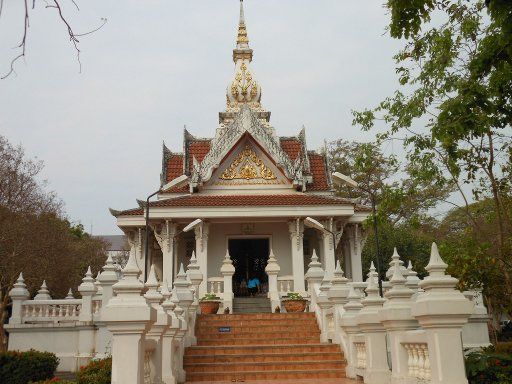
(248, 166)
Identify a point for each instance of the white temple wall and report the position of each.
(220, 233)
(58, 339)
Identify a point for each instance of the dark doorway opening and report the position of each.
(250, 258)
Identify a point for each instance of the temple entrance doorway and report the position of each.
(250, 258)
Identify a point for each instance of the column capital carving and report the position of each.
(202, 231)
(296, 229)
(164, 234)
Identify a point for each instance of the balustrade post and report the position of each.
(377, 369)
(128, 317)
(186, 299)
(397, 319)
(86, 344)
(442, 311)
(272, 270)
(338, 296)
(349, 324)
(322, 301)
(314, 277)
(168, 347)
(163, 320)
(227, 271)
(18, 294)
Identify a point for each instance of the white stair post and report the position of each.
(272, 270)
(442, 311)
(128, 318)
(186, 299)
(397, 319)
(338, 296)
(155, 333)
(314, 277)
(376, 369)
(169, 372)
(322, 301)
(227, 271)
(349, 324)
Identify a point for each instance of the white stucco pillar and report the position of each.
(227, 271)
(19, 293)
(296, 229)
(165, 238)
(328, 250)
(201, 233)
(356, 243)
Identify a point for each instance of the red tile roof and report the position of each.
(198, 149)
(319, 172)
(132, 212)
(249, 200)
(174, 167)
(292, 147)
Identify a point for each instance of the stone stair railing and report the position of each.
(415, 333)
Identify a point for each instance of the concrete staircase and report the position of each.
(263, 346)
(251, 305)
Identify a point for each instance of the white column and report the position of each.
(328, 248)
(296, 229)
(165, 237)
(201, 233)
(356, 241)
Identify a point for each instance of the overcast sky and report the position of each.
(159, 65)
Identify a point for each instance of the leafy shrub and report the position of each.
(487, 367)
(96, 372)
(293, 296)
(56, 380)
(210, 297)
(23, 367)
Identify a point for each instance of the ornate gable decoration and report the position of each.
(247, 165)
(246, 121)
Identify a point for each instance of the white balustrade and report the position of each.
(51, 311)
(216, 286)
(360, 348)
(96, 307)
(418, 360)
(285, 285)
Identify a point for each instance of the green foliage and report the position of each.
(96, 372)
(54, 380)
(293, 296)
(453, 114)
(210, 297)
(489, 368)
(24, 367)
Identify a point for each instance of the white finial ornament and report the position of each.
(43, 293)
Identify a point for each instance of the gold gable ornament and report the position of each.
(251, 167)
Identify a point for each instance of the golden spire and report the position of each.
(242, 50)
(242, 39)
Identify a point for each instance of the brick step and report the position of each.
(258, 341)
(236, 329)
(261, 349)
(272, 316)
(251, 310)
(263, 366)
(261, 357)
(257, 322)
(266, 375)
(255, 335)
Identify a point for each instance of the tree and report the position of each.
(402, 204)
(56, 5)
(453, 112)
(36, 238)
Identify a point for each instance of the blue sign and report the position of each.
(224, 329)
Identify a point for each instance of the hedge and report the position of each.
(96, 372)
(489, 367)
(25, 367)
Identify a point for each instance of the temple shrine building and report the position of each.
(247, 192)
